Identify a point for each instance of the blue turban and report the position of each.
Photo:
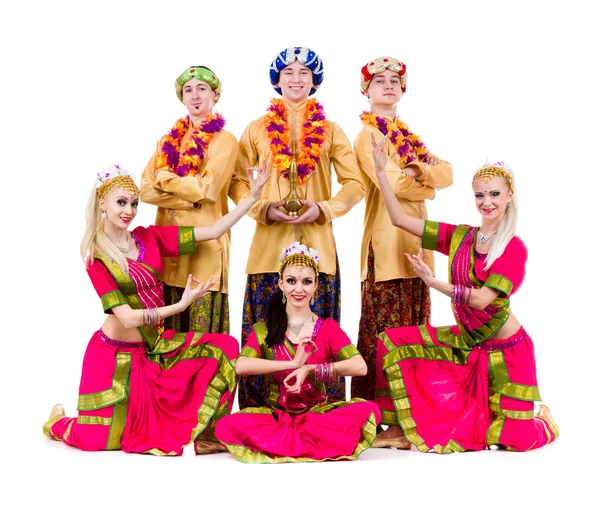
(304, 56)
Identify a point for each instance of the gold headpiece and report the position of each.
(115, 176)
(496, 170)
(300, 256)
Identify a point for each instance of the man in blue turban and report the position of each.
(305, 57)
(296, 132)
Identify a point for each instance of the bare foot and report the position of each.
(205, 447)
(393, 431)
(392, 437)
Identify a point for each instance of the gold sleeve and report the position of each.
(348, 175)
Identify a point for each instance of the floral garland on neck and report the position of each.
(185, 162)
(409, 146)
(313, 136)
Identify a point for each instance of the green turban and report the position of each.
(202, 74)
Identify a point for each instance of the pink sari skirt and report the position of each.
(136, 401)
(450, 400)
(342, 430)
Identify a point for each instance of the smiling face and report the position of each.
(298, 285)
(385, 89)
(491, 199)
(121, 207)
(199, 98)
(295, 81)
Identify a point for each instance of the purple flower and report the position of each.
(213, 126)
(275, 127)
(303, 170)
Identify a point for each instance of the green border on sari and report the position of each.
(505, 386)
(187, 242)
(431, 232)
(112, 299)
(347, 352)
(500, 283)
(112, 395)
(117, 395)
(246, 455)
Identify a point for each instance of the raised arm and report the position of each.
(227, 221)
(397, 215)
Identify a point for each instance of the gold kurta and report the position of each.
(269, 240)
(195, 201)
(389, 243)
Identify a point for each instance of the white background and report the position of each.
(86, 85)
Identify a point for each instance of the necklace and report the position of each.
(484, 238)
(185, 162)
(409, 146)
(124, 249)
(311, 140)
(297, 327)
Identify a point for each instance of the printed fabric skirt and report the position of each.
(342, 430)
(453, 400)
(137, 401)
(253, 390)
(208, 314)
(401, 302)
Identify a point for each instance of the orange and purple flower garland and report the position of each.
(186, 162)
(313, 136)
(409, 146)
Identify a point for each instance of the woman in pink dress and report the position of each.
(298, 352)
(145, 389)
(471, 385)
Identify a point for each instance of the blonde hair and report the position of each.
(95, 241)
(507, 226)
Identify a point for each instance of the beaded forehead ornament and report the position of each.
(376, 66)
(496, 170)
(299, 255)
(202, 74)
(115, 176)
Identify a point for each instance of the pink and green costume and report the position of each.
(456, 388)
(155, 396)
(300, 427)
